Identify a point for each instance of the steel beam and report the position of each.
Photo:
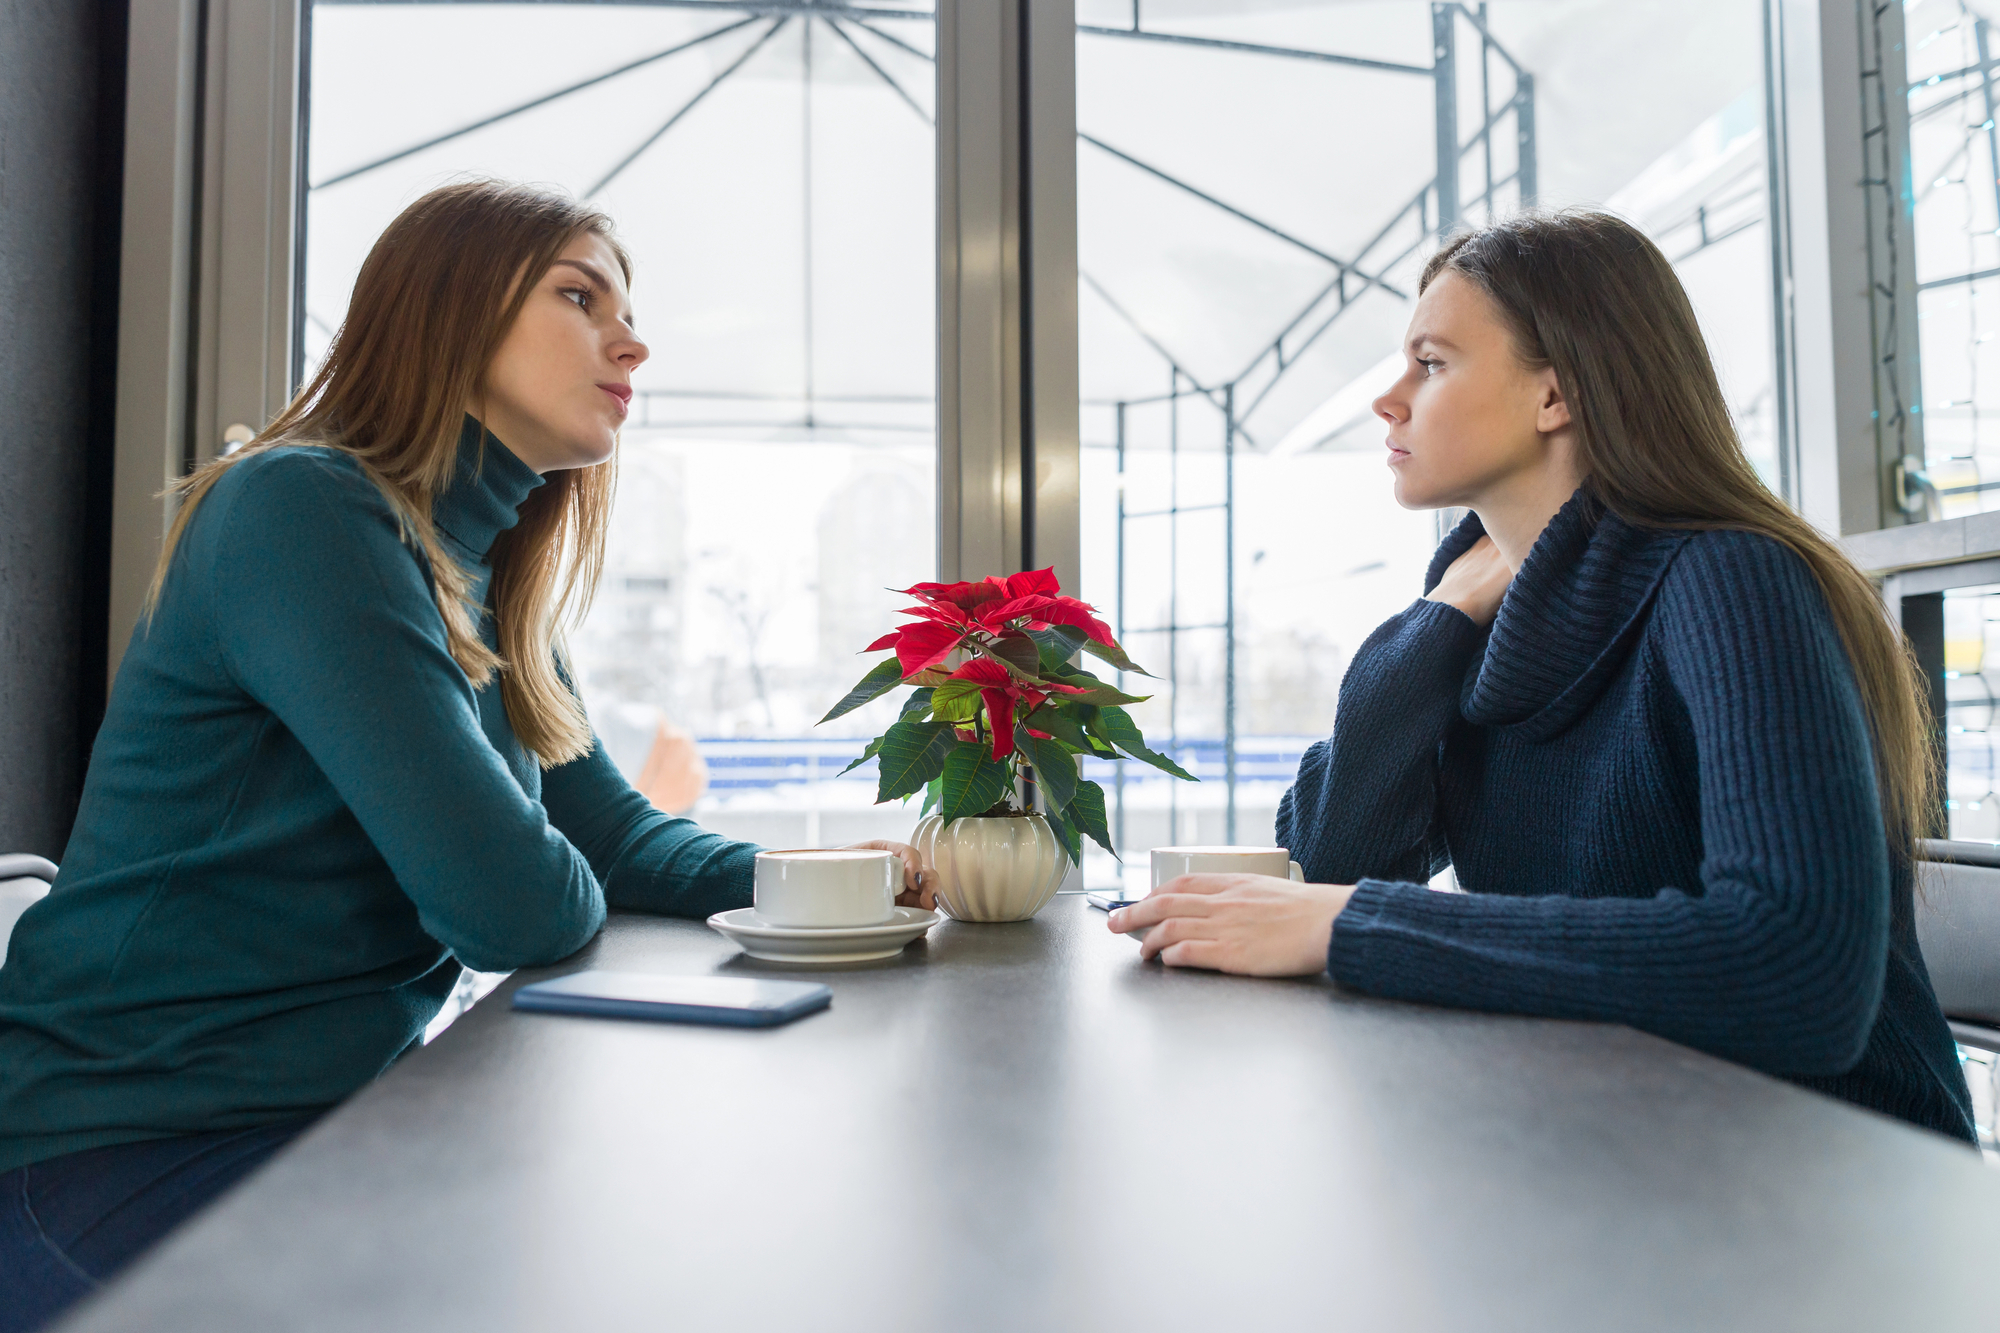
(1444, 72)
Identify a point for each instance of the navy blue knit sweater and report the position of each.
(1652, 777)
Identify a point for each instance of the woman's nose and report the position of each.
(1387, 408)
(631, 353)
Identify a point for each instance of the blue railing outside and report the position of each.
(740, 765)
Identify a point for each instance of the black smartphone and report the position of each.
(1106, 902)
(745, 1002)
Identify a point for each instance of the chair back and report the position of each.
(23, 882)
(1958, 928)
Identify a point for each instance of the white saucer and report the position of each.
(834, 944)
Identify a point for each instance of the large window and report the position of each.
(1258, 186)
(772, 173)
(1954, 411)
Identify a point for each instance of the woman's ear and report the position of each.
(1552, 410)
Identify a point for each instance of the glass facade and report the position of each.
(1955, 197)
(1247, 266)
(773, 174)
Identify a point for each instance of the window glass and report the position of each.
(1971, 672)
(773, 175)
(1955, 196)
(1258, 187)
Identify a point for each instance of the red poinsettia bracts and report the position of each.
(999, 692)
(986, 656)
(951, 613)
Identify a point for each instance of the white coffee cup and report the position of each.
(827, 887)
(1173, 862)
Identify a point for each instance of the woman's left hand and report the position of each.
(919, 880)
(1256, 925)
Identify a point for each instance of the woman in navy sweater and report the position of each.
(1660, 728)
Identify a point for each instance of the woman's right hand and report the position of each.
(1476, 582)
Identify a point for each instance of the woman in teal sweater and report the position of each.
(341, 759)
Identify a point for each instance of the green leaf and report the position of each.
(874, 748)
(933, 793)
(1072, 841)
(1062, 724)
(1097, 692)
(1019, 652)
(1057, 644)
(918, 701)
(956, 701)
(1055, 767)
(1087, 813)
(972, 782)
(885, 676)
(1014, 668)
(1116, 725)
(912, 754)
(1112, 653)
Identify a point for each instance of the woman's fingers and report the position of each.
(1196, 953)
(915, 873)
(919, 880)
(1164, 936)
(1260, 925)
(1157, 908)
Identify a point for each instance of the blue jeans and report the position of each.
(71, 1222)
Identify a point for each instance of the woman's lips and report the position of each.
(1397, 455)
(622, 392)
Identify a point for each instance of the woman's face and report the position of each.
(559, 387)
(1468, 422)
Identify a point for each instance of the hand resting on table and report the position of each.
(1255, 925)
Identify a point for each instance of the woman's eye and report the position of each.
(580, 295)
(1429, 367)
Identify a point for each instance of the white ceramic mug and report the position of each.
(827, 887)
(1173, 862)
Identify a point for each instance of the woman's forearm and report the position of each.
(1365, 802)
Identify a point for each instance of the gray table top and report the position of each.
(1024, 1127)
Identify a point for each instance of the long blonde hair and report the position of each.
(432, 303)
(1588, 294)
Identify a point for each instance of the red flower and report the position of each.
(950, 613)
(1044, 611)
(999, 691)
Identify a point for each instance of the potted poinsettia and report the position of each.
(992, 733)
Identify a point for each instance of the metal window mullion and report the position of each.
(248, 223)
(207, 259)
(156, 264)
(1007, 384)
(1840, 477)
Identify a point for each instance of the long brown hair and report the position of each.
(432, 303)
(1589, 295)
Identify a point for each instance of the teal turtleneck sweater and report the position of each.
(300, 820)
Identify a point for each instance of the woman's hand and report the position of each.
(1476, 582)
(1256, 925)
(919, 880)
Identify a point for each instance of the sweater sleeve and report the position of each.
(1777, 958)
(1365, 802)
(646, 860)
(325, 617)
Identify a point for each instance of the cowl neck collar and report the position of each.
(488, 486)
(1569, 619)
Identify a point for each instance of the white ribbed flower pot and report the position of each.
(993, 867)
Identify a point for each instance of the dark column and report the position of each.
(1923, 625)
(61, 133)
